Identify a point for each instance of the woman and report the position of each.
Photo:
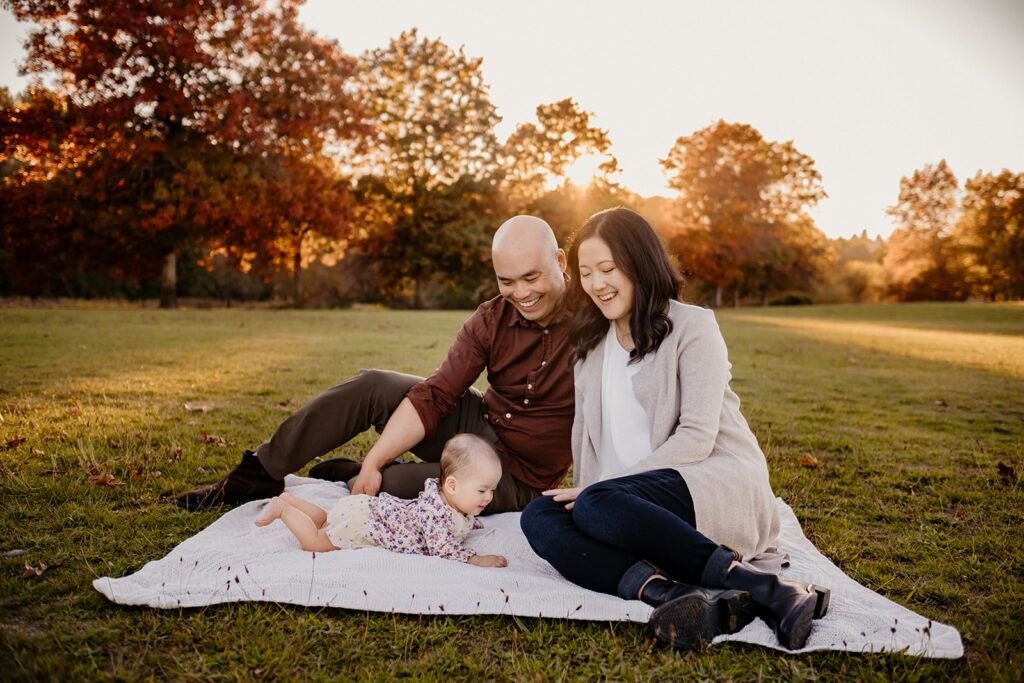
(671, 488)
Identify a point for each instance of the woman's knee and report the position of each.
(539, 520)
(593, 506)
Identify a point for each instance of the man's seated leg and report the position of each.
(511, 495)
(406, 480)
(325, 423)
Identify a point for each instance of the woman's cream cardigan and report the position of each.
(696, 429)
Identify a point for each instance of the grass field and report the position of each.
(910, 409)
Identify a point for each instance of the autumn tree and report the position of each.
(537, 155)
(990, 235)
(921, 261)
(164, 101)
(427, 186)
(741, 212)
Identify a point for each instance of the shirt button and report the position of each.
(508, 416)
(545, 330)
(526, 401)
(543, 363)
(529, 386)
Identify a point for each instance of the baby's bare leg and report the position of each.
(311, 537)
(314, 511)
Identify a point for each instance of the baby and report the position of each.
(435, 523)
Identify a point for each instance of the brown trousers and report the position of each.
(367, 400)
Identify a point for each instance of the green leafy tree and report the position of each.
(427, 190)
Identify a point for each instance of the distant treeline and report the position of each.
(224, 150)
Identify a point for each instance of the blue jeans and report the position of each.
(616, 523)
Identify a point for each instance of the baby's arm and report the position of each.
(442, 542)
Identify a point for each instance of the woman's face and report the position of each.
(603, 281)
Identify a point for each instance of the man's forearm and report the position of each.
(403, 431)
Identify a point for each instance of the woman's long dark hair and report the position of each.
(640, 255)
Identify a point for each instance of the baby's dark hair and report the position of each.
(459, 453)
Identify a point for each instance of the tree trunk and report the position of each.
(169, 281)
(417, 295)
(297, 290)
(735, 298)
(718, 296)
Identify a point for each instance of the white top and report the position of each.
(626, 427)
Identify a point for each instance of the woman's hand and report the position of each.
(488, 561)
(563, 495)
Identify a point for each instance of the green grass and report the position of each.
(909, 408)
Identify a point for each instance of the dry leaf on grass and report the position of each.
(75, 410)
(32, 572)
(102, 478)
(14, 443)
(36, 451)
(199, 406)
(213, 438)
(1006, 472)
(808, 460)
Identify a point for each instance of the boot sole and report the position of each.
(822, 596)
(793, 631)
(688, 621)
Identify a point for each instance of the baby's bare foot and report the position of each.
(271, 512)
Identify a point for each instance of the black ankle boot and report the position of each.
(788, 606)
(248, 481)
(686, 616)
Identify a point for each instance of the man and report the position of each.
(519, 337)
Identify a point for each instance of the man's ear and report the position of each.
(563, 262)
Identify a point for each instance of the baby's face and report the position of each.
(472, 490)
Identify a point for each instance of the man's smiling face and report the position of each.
(529, 267)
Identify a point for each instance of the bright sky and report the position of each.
(871, 90)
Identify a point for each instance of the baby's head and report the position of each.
(470, 470)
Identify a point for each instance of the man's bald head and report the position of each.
(529, 266)
(524, 231)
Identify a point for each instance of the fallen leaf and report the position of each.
(32, 572)
(102, 478)
(36, 451)
(14, 553)
(1006, 472)
(199, 406)
(941, 403)
(14, 443)
(213, 438)
(75, 410)
(808, 460)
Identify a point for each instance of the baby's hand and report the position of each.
(488, 561)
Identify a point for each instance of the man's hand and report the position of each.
(367, 481)
(563, 495)
(488, 561)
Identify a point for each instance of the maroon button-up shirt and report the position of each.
(530, 400)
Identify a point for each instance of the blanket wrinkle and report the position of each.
(232, 560)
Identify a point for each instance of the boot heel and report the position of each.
(822, 596)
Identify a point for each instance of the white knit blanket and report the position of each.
(233, 560)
